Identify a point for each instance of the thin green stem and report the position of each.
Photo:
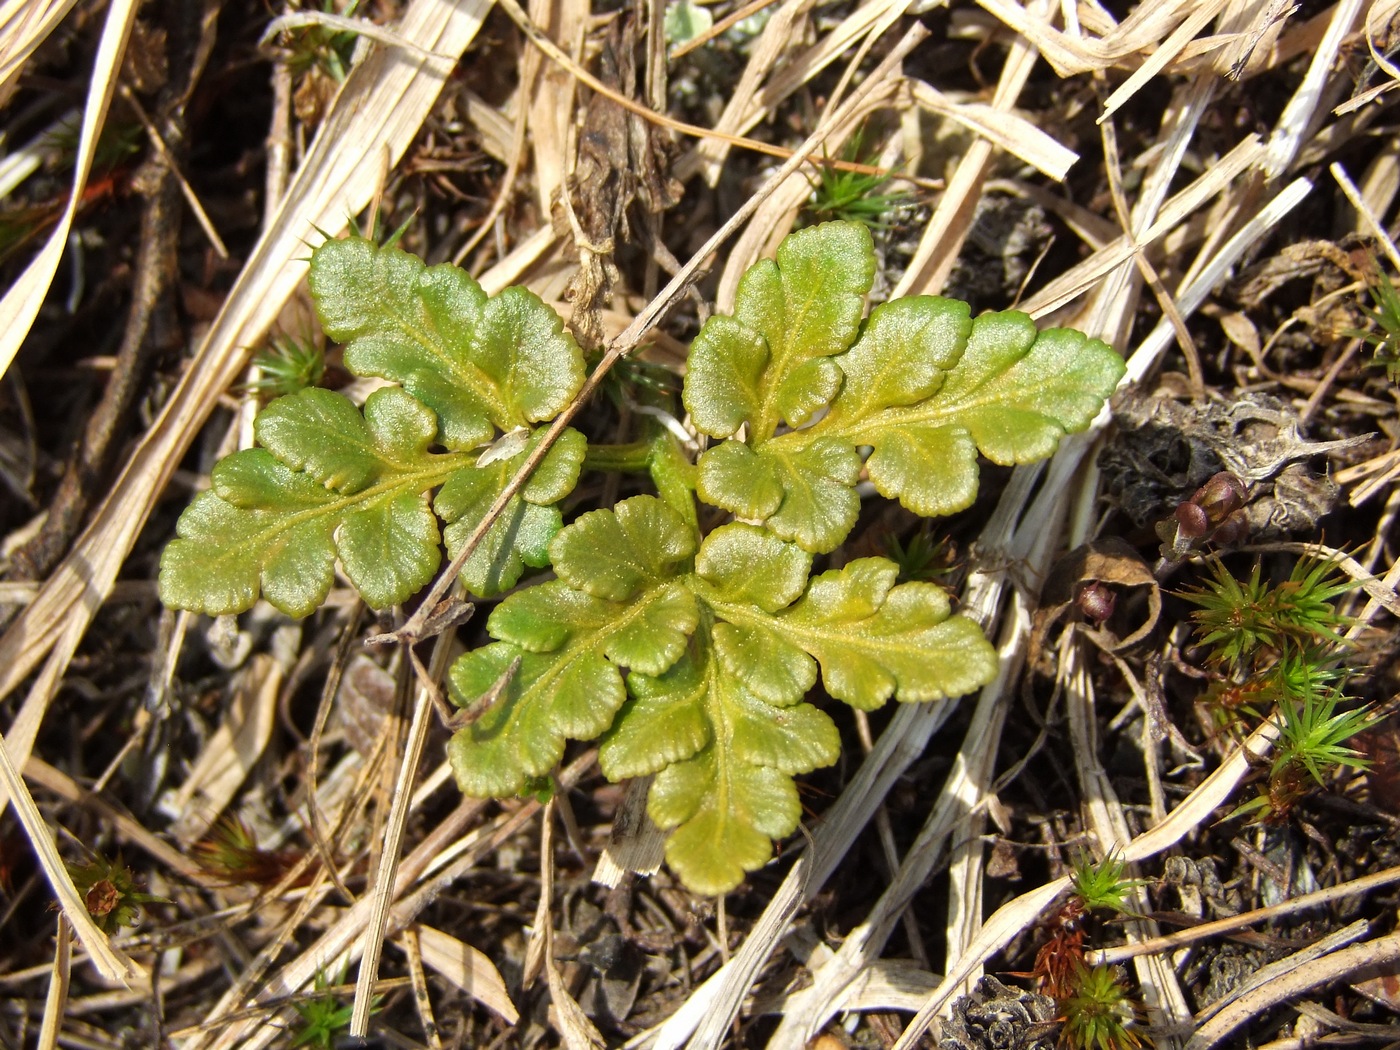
(634, 457)
(673, 474)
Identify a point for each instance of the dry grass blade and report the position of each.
(1371, 223)
(57, 997)
(1170, 48)
(113, 964)
(24, 25)
(186, 190)
(1280, 969)
(1140, 32)
(39, 772)
(1083, 276)
(1001, 127)
(726, 23)
(568, 1018)
(22, 301)
(774, 39)
(725, 139)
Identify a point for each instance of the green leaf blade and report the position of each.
(756, 368)
(276, 541)
(615, 552)
(1012, 393)
(931, 470)
(736, 478)
(572, 646)
(321, 433)
(820, 506)
(266, 528)
(777, 671)
(521, 536)
(539, 365)
(663, 722)
(390, 548)
(656, 630)
(518, 539)
(927, 654)
(813, 307)
(744, 563)
(1022, 390)
(726, 803)
(801, 487)
(569, 694)
(871, 639)
(904, 351)
(716, 846)
(647, 632)
(792, 739)
(723, 373)
(807, 389)
(479, 363)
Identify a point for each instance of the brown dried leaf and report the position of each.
(621, 160)
(1110, 561)
(468, 969)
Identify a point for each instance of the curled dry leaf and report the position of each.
(1168, 447)
(1109, 562)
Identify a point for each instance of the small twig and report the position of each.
(753, 7)
(320, 836)
(186, 190)
(1108, 132)
(278, 142)
(421, 999)
(455, 720)
(1379, 953)
(1171, 941)
(359, 26)
(387, 867)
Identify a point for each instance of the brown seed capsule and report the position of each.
(102, 898)
(1192, 523)
(1096, 602)
(1221, 496)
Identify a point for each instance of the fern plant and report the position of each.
(694, 654)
